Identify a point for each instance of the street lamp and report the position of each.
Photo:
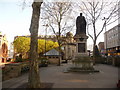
(105, 35)
(45, 36)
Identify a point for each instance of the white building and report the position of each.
(112, 40)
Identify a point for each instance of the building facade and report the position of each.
(112, 41)
(69, 47)
(101, 48)
(48, 37)
(3, 48)
(53, 56)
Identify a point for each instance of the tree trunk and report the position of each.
(59, 42)
(94, 43)
(34, 78)
(59, 52)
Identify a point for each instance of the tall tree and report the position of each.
(97, 12)
(58, 17)
(21, 45)
(34, 78)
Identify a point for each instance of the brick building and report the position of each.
(3, 48)
(101, 48)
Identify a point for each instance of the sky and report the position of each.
(15, 20)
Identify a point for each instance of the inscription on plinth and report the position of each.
(81, 47)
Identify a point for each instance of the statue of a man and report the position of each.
(80, 25)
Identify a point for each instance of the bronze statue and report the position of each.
(80, 25)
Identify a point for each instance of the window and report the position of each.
(115, 35)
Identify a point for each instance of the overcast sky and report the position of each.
(16, 21)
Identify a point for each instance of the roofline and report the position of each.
(112, 28)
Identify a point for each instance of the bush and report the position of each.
(18, 59)
(117, 61)
(24, 60)
(109, 60)
(103, 60)
(97, 60)
(25, 68)
(100, 60)
(96, 53)
(43, 62)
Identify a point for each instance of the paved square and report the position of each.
(106, 78)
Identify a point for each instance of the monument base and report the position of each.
(80, 55)
(82, 64)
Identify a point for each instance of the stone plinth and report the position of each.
(81, 45)
(82, 62)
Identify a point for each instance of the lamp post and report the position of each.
(106, 39)
(105, 36)
(45, 36)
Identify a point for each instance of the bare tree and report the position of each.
(97, 12)
(34, 78)
(58, 17)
